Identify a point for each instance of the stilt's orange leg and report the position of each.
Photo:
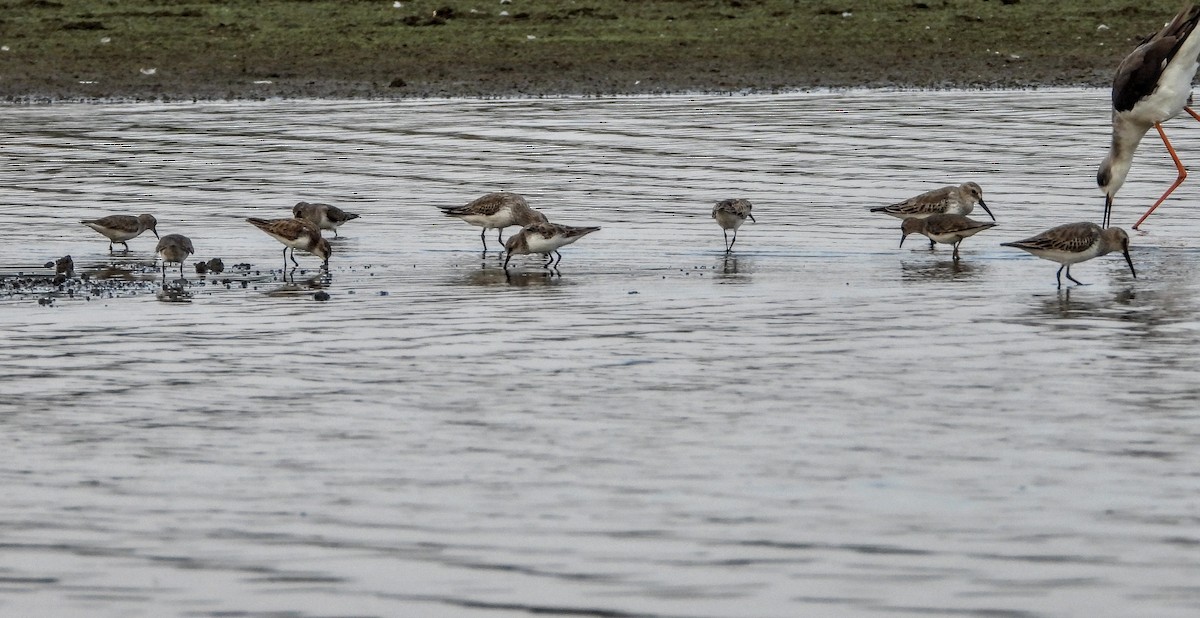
(1183, 173)
(1178, 165)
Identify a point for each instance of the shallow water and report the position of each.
(820, 424)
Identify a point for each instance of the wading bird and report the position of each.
(1153, 84)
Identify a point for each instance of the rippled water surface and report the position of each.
(821, 424)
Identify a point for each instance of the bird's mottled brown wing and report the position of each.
(937, 200)
(950, 224)
(1071, 238)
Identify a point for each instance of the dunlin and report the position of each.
(120, 228)
(323, 216)
(496, 211)
(730, 215)
(296, 234)
(1153, 84)
(946, 229)
(174, 248)
(544, 238)
(952, 200)
(1076, 242)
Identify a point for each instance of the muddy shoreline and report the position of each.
(202, 50)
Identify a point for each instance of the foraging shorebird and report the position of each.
(954, 200)
(944, 228)
(1153, 84)
(544, 238)
(730, 215)
(496, 211)
(1075, 242)
(296, 234)
(120, 228)
(174, 248)
(323, 216)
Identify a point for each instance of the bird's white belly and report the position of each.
(300, 242)
(1069, 257)
(502, 218)
(540, 244)
(729, 221)
(114, 235)
(1172, 94)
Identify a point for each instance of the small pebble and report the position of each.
(321, 296)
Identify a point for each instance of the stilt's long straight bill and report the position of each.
(1152, 85)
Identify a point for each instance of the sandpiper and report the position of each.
(1075, 242)
(952, 200)
(174, 248)
(296, 234)
(944, 228)
(496, 211)
(120, 228)
(730, 215)
(544, 238)
(323, 216)
(1153, 84)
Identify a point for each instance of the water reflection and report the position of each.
(939, 268)
(306, 285)
(732, 268)
(882, 423)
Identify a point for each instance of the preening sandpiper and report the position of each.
(324, 216)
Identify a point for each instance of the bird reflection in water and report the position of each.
(939, 270)
(733, 269)
(293, 287)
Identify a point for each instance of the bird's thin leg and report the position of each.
(294, 257)
(955, 256)
(335, 234)
(483, 237)
(1178, 179)
(932, 244)
(285, 258)
(549, 258)
(126, 245)
(732, 241)
(723, 233)
(1058, 275)
(559, 259)
(164, 271)
(1073, 278)
(110, 245)
(506, 259)
(1192, 112)
(500, 235)
(181, 277)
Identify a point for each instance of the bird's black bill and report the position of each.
(985, 209)
(1129, 260)
(751, 217)
(902, 239)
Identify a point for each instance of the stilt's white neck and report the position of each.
(1126, 135)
